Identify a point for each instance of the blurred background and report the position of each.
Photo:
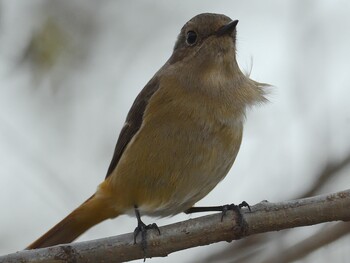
(70, 70)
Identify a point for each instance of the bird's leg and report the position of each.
(221, 208)
(142, 228)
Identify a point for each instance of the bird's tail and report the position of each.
(91, 212)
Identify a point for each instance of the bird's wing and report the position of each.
(133, 121)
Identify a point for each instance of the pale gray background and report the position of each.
(59, 124)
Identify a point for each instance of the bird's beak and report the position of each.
(227, 29)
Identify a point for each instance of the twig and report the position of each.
(328, 172)
(205, 230)
(303, 248)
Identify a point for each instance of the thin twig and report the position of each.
(327, 173)
(319, 239)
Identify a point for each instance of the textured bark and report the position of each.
(264, 217)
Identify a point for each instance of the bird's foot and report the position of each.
(222, 208)
(143, 228)
(233, 207)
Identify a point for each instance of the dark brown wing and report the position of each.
(133, 121)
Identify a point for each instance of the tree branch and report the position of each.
(264, 217)
(328, 172)
(319, 239)
(256, 244)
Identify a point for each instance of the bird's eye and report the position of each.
(191, 38)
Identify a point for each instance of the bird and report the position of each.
(180, 137)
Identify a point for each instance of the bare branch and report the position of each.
(328, 172)
(310, 244)
(205, 230)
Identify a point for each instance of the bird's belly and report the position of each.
(176, 158)
(190, 178)
(173, 167)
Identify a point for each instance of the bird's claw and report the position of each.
(142, 228)
(234, 207)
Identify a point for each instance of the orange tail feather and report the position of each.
(91, 212)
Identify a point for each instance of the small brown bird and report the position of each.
(181, 135)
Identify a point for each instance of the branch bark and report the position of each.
(264, 217)
(252, 249)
